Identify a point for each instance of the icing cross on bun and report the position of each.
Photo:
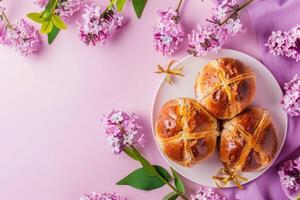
(185, 131)
(248, 141)
(225, 87)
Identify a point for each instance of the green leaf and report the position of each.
(152, 170)
(47, 27)
(52, 35)
(139, 6)
(58, 22)
(171, 196)
(145, 163)
(50, 5)
(141, 179)
(120, 5)
(130, 153)
(36, 17)
(178, 182)
(163, 172)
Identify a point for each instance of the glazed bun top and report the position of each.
(185, 131)
(248, 141)
(225, 87)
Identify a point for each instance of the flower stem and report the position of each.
(163, 179)
(178, 6)
(6, 20)
(174, 189)
(54, 6)
(236, 11)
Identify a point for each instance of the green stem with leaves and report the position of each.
(236, 11)
(140, 158)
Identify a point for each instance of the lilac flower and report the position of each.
(65, 8)
(291, 99)
(276, 43)
(297, 164)
(289, 174)
(96, 26)
(207, 194)
(233, 26)
(289, 182)
(121, 130)
(41, 3)
(103, 196)
(23, 36)
(288, 166)
(285, 43)
(206, 39)
(211, 38)
(168, 32)
(220, 12)
(231, 3)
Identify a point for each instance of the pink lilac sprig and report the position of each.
(207, 194)
(102, 196)
(168, 32)
(97, 26)
(206, 39)
(285, 43)
(223, 24)
(291, 99)
(121, 130)
(20, 34)
(64, 8)
(289, 174)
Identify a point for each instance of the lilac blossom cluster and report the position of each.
(23, 36)
(103, 196)
(291, 99)
(222, 25)
(289, 173)
(65, 8)
(97, 26)
(285, 43)
(207, 194)
(168, 32)
(121, 130)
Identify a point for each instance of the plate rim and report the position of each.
(168, 161)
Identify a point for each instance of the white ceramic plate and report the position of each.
(268, 95)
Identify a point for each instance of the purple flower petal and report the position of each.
(121, 129)
(168, 32)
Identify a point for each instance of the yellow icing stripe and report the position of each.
(252, 143)
(224, 82)
(221, 75)
(241, 77)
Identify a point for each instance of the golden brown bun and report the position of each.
(248, 141)
(185, 131)
(225, 87)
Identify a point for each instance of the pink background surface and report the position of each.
(53, 145)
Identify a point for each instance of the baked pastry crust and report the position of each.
(225, 87)
(185, 131)
(248, 142)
